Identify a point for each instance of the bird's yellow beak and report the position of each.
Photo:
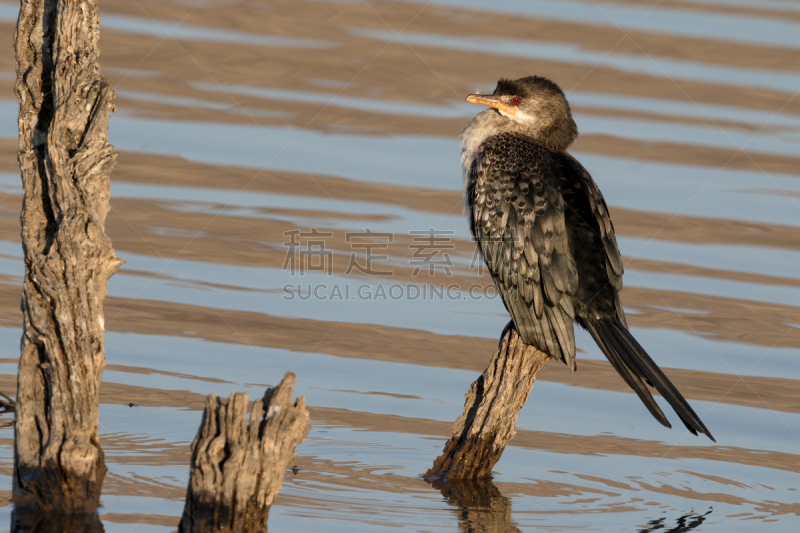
(491, 101)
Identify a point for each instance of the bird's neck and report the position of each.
(554, 136)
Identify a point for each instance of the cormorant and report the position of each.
(545, 233)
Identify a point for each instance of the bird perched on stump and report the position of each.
(545, 233)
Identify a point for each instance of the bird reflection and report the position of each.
(481, 506)
(685, 523)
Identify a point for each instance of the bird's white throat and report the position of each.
(485, 124)
(492, 122)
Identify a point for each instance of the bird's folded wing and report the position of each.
(614, 267)
(517, 215)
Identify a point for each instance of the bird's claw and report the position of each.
(505, 332)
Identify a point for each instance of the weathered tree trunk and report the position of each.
(482, 508)
(66, 161)
(492, 404)
(237, 468)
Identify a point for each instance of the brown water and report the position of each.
(239, 123)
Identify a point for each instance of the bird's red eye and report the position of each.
(515, 100)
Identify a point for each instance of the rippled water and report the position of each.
(239, 123)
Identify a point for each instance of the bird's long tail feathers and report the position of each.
(636, 367)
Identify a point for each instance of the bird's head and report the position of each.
(534, 106)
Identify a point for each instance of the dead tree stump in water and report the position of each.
(237, 469)
(492, 404)
(66, 162)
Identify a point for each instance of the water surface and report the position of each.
(240, 125)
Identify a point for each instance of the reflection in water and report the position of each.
(196, 103)
(574, 54)
(674, 108)
(685, 523)
(669, 20)
(183, 31)
(32, 522)
(254, 118)
(482, 508)
(374, 105)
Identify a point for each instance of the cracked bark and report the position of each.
(492, 405)
(66, 161)
(237, 467)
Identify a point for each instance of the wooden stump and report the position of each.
(492, 404)
(237, 469)
(66, 162)
(481, 506)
